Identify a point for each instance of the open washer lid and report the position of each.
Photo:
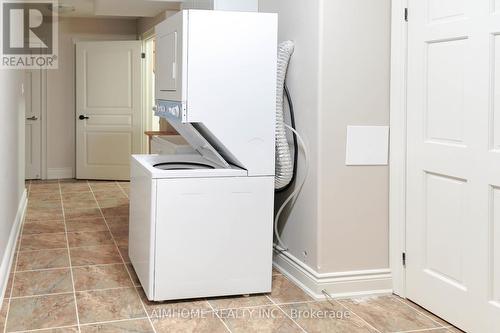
(185, 166)
(182, 166)
(172, 111)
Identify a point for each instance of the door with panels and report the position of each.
(35, 99)
(108, 108)
(453, 176)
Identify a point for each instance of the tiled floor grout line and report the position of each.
(14, 262)
(114, 321)
(63, 248)
(286, 314)
(42, 295)
(59, 248)
(76, 291)
(218, 316)
(138, 294)
(59, 233)
(420, 312)
(83, 266)
(69, 259)
(129, 272)
(123, 191)
(143, 305)
(43, 329)
(123, 260)
(424, 330)
(291, 303)
(64, 267)
(354, 313)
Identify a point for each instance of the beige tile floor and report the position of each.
(71, 273)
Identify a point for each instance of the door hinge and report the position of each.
(143, 55)
(406, 14)
(403, 257)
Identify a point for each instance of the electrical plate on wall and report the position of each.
(367, 145)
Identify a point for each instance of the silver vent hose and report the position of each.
(286, 165)
(284, 160)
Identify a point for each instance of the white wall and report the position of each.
(11, 149)
(354, 201)
(12, 110)
(339, 76)
(61, 83)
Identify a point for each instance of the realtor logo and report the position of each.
(29, 34)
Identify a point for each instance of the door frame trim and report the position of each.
(398, 146)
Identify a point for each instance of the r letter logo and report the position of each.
(29, 34)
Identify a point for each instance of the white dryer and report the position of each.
(201, 225)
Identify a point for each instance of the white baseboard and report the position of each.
(10, 250)
(337, 285)
(59, 173)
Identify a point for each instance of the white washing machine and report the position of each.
(200, 230)
(201, 225)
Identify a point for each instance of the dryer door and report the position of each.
(170, 57)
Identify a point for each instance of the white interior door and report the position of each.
(108, 108)
(34, 99)
(453, 176)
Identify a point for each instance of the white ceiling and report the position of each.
(118, 8)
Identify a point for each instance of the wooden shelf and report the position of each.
(151, 134)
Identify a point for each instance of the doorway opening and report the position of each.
(151, 122)
(152, 125)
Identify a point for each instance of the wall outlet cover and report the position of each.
(367, 145)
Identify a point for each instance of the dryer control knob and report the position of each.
(174, 111)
